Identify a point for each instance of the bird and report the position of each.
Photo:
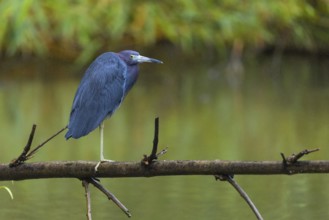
(102, 89)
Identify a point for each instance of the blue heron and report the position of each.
(102, 89)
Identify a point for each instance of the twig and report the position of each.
(162, 152)
(26, 149)
(155, 139)
(295, 157)
(109, 195)
(85, 184)
(43, 143)
(27, 154)
(244, 195)
(147, 160)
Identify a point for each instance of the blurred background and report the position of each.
(241, 80)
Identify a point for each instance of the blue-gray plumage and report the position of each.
(102, 89)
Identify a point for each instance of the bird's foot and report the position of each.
(102, 161)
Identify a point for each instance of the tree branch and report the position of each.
(295, 157)
(109, 195)
(23, 156)
(85, 184)
(147, 160)
(84, 169)
(149, 166)
(27, 152)
(243, 194)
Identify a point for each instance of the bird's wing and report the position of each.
(100, 92)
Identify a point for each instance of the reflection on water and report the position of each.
(201, 117)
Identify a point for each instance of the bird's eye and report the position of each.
(131, 56)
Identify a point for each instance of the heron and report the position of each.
(102, 89)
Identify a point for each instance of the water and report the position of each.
(205, 113)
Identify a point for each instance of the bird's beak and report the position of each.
(142, 59)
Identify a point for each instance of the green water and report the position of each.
(256, 115)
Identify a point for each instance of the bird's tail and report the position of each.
(68, 135)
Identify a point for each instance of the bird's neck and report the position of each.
(131, 77)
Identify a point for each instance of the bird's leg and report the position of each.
(101, 131)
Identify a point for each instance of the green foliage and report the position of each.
(84, 26)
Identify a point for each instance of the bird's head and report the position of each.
(133, 57)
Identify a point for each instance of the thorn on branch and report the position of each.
(244, 195)
(27, 154)
(95, 182)
(148, 160)
(295, 157)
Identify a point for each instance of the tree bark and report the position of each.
(83, 169)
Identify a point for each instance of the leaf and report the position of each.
(8, 190)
